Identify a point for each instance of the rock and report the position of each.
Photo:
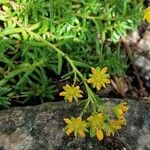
(139, 43)
(143, 60)
(132, 38)
(144, 42)
(41, 128)
(144, 65)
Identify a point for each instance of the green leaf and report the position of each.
(4, 90)
(16, 36)
(60, 62)
(66, 76)
(4, 101)
(92, 132)
(25, 35)
(44, 27)
(35, 26)
(4, 1)
(80, 64)
(8, 31)
(9, 76)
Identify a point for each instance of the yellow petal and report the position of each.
(103, 84)
(107, 134)
(99, 134)
(76, 99)
(66, 86)
(100, 115)
(93, 70)
(98, 86)
(107, 80)
(122, 121)
(70, 99)
(104, 70)
(119, 112)
(125, 109)
(90, 118)
(125, 103)
(68, 121)
(77, 87)
(80, 91)
(79, 95)
(62, 94)
(121, 116)
(81, 133)
(147, 9)
(79, 119)
(69, 131)
(91, 80)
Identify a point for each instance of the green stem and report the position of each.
(91, 97)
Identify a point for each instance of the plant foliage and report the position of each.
(30, 30)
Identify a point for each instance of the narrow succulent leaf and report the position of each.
(60, 62)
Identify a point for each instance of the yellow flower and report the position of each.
(114, 126)
(99, 77)
(76, 125)
(71, 92)
(120, 110)
(147, 14)
(96, 122)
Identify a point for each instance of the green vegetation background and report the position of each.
(87, 31)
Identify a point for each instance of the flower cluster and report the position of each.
(97, 124)
(98, 78)
(100, 122)
(114, 125)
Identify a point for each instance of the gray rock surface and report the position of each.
(139, 43)
(144, 65)
(40, 128)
